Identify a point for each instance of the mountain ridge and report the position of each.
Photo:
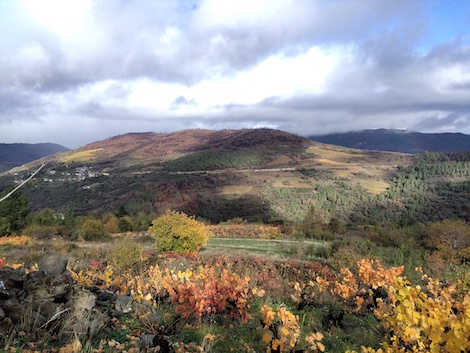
(393, 140)
(191, 140)
(16, 154)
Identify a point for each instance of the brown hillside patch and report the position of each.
(332, 154)
(160, 146)
(281, 160)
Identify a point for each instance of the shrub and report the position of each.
(4, 226)
(450, 237)
(111, 223)
(126, 252)
(125, 224)
(92, 229)
(178, 232)
(40, 231)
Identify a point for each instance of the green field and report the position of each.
(283, 248)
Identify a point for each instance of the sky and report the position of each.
(77, 71)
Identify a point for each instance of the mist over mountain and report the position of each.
(397, 141)
(16, 154)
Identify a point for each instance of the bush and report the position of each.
(4, 226)
(126, 252)
(40, 231)
(451, 237)
(92, 229)
(178, 232)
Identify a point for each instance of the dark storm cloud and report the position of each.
(19, 104)
(452, 122)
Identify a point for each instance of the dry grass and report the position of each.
(329, 161)
(235, 189)
(332, 154)
(374, 186)
(280, 161)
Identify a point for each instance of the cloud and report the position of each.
(306, 66)
(440, 122)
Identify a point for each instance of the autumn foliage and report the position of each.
(206, 291)
(433, 316)
(282, 331)
(178, 232)
(424, 319)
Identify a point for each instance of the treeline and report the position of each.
(48, 223)
(16, 218)
(433, 188)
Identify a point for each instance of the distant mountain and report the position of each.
(150, 145)
(16, 154)
(397, 141)
(259, 175)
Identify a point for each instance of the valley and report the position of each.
(281, 244)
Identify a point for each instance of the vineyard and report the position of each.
(195, 303)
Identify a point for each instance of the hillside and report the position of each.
(398, 141)
(149, 146)
(16, 154)
(257, 175)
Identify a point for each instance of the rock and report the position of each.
(51, 310)
(156, 341)
(104, 298)
(51, 300)
(43, 287)
(52, 265)
(147, 340)
(14, 311)
(12, 278)
(4, 295)
(124, 304)
(83, 301)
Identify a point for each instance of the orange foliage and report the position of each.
(19, 240)
(205, 291)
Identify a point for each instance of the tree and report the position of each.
(92, 229)
(312, 224)
(336, 226)
(176, 231)
(125, 224)
(69, 220)
(110, 222)
(449, 236)
(44, 217)
(4, 226)
(14, 209)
